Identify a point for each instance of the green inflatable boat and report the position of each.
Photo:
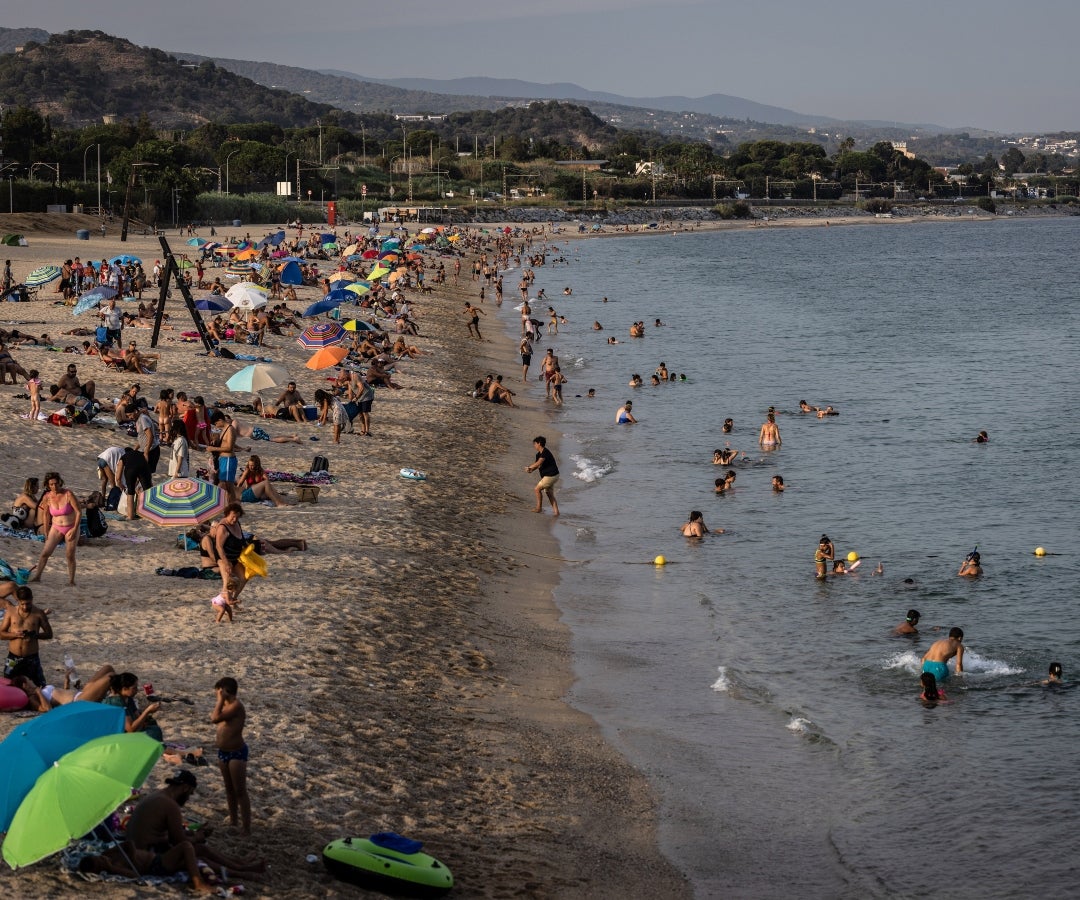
(389, 863)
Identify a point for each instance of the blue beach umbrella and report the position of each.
(213, 303)
(197, 242)
(125, 259)
(323, 306)
(92, 299)
(321, 334)
(290, 272)
(35, 744)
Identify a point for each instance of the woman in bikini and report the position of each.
(61, 523)
(25, 506)
(255, 486)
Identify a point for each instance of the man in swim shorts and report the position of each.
(226, 449)
(941, 652)
(229, 715)
(22, 627)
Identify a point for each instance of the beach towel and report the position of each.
(74, 854)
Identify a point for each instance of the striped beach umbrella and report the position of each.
(321, 334)
(182, 501)
(42, 275)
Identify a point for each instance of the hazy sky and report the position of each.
(1003, 66)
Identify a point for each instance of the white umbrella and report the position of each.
(246, 295)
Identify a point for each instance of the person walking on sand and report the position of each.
(474, 313)
(941, 652)
(61, 523)
(229, 715)
(549, 474)
(525, 348)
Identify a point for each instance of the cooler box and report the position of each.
(311, 413)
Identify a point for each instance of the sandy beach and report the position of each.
(406, 673)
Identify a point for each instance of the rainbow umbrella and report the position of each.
(321, 334)
(182, 501)
(327, 357)
(42, 275)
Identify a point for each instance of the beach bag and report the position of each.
(320, 464)
(96, 526)
(59, 419)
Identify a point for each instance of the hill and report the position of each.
(79, 77)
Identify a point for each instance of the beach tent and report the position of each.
(12, 240)
(291, 274)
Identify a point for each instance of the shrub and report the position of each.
(877, 205)
(986, 204)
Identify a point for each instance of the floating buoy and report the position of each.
(660, 561)
(852, 556)
(1040, 551)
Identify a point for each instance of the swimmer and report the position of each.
(635, 380)
(806, 407)
(839, 567)
(983, 438)
(1054, 676)
(658, 324)
(778, 484)
(942, 651)
(655, 380)
(695, 527)
(726, 483)
(827, 411)
(729, 426)
(908, 626)
(596, 326)
(970, 567)
(623, 416)
(823, 556)
(724, 457)
(591, 393)
(931, 694)
(612, 340)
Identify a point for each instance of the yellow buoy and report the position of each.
(660, 561)
(1040, 551)
(853, 556)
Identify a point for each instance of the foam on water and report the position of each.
(590, 470)
(722, 685)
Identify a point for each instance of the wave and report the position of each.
(723, 683)
(590, 470)
(974, 664)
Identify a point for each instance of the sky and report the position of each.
(989, 64)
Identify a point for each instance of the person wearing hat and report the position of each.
(157, 824)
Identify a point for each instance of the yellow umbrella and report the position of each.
(327, 357)
(378, 273)
(339, 276)
(350, 250)
(358, 288)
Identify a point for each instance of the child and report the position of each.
(226, 601)
(229, 715)
(931, 694)
(556, 386)
(33, 385)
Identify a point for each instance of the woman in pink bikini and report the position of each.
(61, 523)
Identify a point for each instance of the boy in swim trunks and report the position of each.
(941, 652)
(229, 715)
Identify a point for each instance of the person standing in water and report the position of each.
(941, 652)
(823, 556)
(769, 436)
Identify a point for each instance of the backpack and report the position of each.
(320, 464)
(96, 526)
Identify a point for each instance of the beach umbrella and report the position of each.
(320, 307)
(329, 247)
(340, 276)
(258, 377)
(391, 244)
(182, 501)
(184, 263)
(378, 273)
(359, 325)
(427, 231)
(359, 288)
(289, 259)
(125, 259)
(35, 744)
(213, 303)
(327, 357)
(246, 295)
(350, 250)
(327, 238)
(197, 242)
(76, 793)
(42, 275)
(249, 254)
(93, 298)
(370, 254)
(291, 274)
(321, 334)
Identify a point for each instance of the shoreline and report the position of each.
(408, 673)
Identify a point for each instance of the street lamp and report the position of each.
(55, 168)
(230, 156)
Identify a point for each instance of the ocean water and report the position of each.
(776, 715)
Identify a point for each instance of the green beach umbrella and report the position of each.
(76, 793)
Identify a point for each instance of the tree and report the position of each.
(1013, 161)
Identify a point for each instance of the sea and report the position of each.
(777, 716)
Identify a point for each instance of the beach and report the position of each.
(406, 673)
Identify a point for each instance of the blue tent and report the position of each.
(291, 274)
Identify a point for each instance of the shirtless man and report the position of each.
(547, 370)
(69, 383)
(941, 652)
(908, 626)
(157, 824)
(970, 567)
(229, 715)
(769, 436)
(473, 313)
(22, 627)
(291, 401)
(226, 449)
